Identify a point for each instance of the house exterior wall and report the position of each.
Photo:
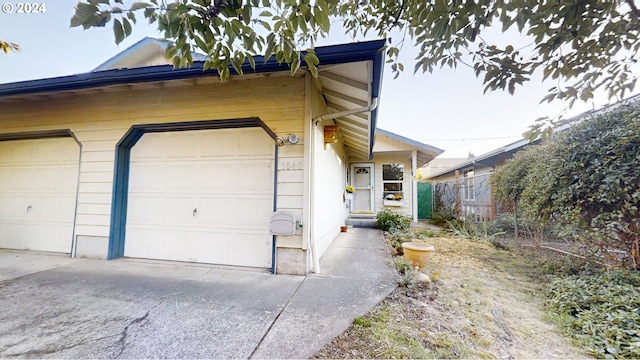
(329, 180)
(100, 118)
(391, 158)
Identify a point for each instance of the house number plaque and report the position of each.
(290, 165)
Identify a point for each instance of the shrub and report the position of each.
(602, 310)
(504, 224)
(585, 178)
(388, 220)
(396, 238)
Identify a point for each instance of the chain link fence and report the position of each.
(467, 198)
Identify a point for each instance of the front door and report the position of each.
(362, 181)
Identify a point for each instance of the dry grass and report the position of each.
(483, 305)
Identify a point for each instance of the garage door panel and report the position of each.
(184, 145)
(24, 235)
(21, 179)
(179, 211)
(261, 175)
(38, 185)
(14, 206)
(255, 212)
(229, 248)
(216, 212)
(211, 172)
(21, 152)
(148, 239)
(221, 177)
(179, 177)
(52, 208)
(144, 208)
(142, 178)
(219, 145)
(150, 151)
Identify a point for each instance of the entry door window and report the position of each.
(363, 184)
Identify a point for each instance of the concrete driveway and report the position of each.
(56, 307)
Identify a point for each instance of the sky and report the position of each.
(446, 109)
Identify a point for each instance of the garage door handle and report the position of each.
(195, 210)
(29, 208)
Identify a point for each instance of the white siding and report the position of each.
(100, 118)
(330, 209)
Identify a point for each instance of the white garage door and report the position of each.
(38, 183)
(201, 196)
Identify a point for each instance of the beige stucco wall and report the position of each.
(99, 118)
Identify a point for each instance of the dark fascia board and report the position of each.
(328, 55)
(416, 144)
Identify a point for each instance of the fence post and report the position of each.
(457, 191)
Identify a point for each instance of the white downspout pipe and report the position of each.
(414, 185)
(309, 189)
(335, 115)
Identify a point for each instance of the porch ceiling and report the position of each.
(347, 87)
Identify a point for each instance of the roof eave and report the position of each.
(328, 55)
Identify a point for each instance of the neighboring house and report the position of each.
(142, 160)
(146, 52)
(437, 166)
(465, 186)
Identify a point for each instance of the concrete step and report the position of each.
(361, 221)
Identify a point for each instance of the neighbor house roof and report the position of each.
(491, 158)
(349, 77)
(425, 152)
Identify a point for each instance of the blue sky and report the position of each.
(446, 109)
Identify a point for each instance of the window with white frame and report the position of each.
(469, 185)
(392, 178)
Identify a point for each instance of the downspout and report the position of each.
(308, 192)
(414, 185)
(335, 115)
(275, 207)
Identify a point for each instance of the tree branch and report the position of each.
(634, 8)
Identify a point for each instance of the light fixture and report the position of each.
(287, 139)
(293, 139)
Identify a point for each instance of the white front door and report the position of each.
(362, 181)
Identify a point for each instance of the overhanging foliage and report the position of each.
(585, 44)
(587, 178)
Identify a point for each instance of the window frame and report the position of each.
(469, 185)
(400, 183)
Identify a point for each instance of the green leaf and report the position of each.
(84, 13)
(295, 65)
(127, 27)
(118, 31)
(252, 61)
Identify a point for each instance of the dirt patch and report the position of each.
(483, 304)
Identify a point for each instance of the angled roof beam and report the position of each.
(358, 102)
(341, 79)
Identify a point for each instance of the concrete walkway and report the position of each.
(56, 307)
